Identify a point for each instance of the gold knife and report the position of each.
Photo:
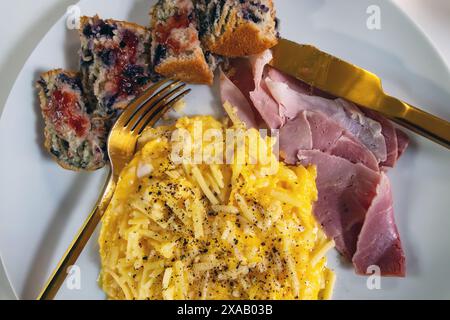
(342, 79)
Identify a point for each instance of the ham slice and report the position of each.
(268, 108)
(396, 140)
(347, 145)
(314, 131)
(328, 136)
(347, 115)
(258, 63)
(247, 76)
(242, 78)
(349, 148)
(379, 242)
(346, 191)
(294, 136)
(231, 93)
(394, 148)
(390, 136)
(403, 142)
(325, 132)
(241, 75)
(291, 82)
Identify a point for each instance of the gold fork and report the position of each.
(144, 111)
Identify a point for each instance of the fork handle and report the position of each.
(419, 121)
(76, 247)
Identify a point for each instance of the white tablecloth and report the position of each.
(25, 22)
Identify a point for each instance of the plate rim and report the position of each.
(417, 29)
(422, 32)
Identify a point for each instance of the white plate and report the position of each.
(42, 205)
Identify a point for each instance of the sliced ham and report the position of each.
(394, 148)
(367, 130)
(258, 64)
(294, 136)
(379, 241)
(268, 108)
(390, 136)
(346, 191)
(296, 84)
(242, 77)
(314, 131)
(403, 142)
(231, 93)
(325, 132)
(396, 140)
(349, 148)
(247, 76)
(347, 145)
(295, 102)
(278, 76)
(345, 114)
(328, 136)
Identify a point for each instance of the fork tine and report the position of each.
(154, 102)
(140, 100)
(156, 112)
(151, 102)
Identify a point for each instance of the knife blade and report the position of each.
(348, 81)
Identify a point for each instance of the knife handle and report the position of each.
(417, 120)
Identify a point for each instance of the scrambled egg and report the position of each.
(212, 231)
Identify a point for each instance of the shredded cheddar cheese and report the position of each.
(212, 231)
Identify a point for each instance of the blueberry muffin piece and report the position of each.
(114, 62)
(236, 28)
(74, 138)
(176, 50)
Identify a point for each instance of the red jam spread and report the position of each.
(163, 31)
(129, 50)
(62, 110)
(124, 76)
